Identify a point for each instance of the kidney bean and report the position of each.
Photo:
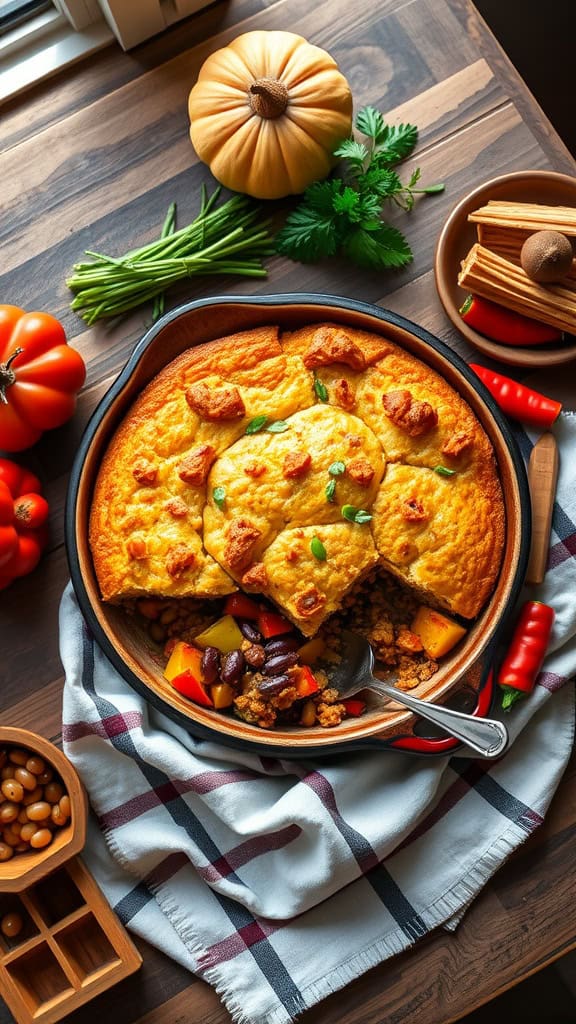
(249, 631)
(232, 666)
(283, 646)
(210, 664)
(274, 685)
(279, 663)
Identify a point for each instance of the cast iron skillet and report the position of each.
(468, 679)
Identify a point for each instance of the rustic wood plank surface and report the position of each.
(91, 159)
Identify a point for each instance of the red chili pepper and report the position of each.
(190, 686)
(526, 652)
(354, 708)
(272, 624)
(303, 678)
(518, 401)
(241, 607)
(504, 325)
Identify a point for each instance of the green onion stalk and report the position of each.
(225, 239)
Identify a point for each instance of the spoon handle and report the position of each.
(484, 735)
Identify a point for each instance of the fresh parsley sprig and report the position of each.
(344, 215)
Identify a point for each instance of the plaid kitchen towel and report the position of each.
(279, 882)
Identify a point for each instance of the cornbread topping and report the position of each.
(291, 465)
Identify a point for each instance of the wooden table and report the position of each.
(92, 159)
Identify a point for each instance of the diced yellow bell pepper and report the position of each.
(223, 634)
(222, 695)
(184, 657)
(311, 651)
(438, 633)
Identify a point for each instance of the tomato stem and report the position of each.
(7, 375)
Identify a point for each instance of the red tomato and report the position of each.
(23, 522)
(39, 377)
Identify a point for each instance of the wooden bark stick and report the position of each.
(542, 478)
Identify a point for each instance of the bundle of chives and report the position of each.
(220, 240)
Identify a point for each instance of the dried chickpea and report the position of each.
(53, 792)
(6, 851)
(65, 806)
(11, 924)
(13, 790)
(8, 812)
(34, 796)
(18, 756)
(25, 778)
(36, 765)
(41, 838)
(45, 776)
(39, 811)
(7, 771)
(9, 838)
(27, 831)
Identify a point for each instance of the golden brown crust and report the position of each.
(187, 503)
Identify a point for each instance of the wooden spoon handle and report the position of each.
(542, 477)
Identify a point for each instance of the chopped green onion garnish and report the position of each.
(355, 515)
(329, 490)
(219, 496)
(318, 550)
(321, 390)
(336, 469)
(256, 424)
(444, 471)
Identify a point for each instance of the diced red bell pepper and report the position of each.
(189, 686)
(272, 624)
(354, 708)
(241, 607)
(304, 681)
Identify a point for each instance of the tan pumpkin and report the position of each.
(267, 112)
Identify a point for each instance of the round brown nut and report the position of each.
(39, 811)
(546, 256)
(41, 838)
(35, 764)
(6, 851)
(53, 792)
(26, 778)
(13, 790)
(11, 924)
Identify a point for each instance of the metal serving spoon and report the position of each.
(354, 673)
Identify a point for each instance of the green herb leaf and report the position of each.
(444, 471)
(330, 490)
(219, 496)
(370, 122)
(256, 424)
(318, 550)
(396, 142)
(378, 250)
(353, 151)
(337, 468)
(277, 427)
(355, 515)
(321, 390)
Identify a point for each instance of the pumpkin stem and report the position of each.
(7, 375)
(268, 97)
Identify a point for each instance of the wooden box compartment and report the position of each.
(70, 948)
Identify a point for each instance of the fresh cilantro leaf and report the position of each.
(444, 471)
(348, 202)
(256, 424)
(378, 250)
(355, 515)
(337, 468)
(219, 496)
(355, 152)
(320, 389)
(370, 122)
(318, 550)
(277, 427)
(320, 195)
(396, 142)
(308, 235)
(382, 182)
(330, 490)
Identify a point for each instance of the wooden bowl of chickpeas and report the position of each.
(43, 809)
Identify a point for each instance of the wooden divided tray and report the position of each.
(61, 943)
(70, 948)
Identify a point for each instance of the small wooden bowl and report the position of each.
(25, 869)
(458, 236)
